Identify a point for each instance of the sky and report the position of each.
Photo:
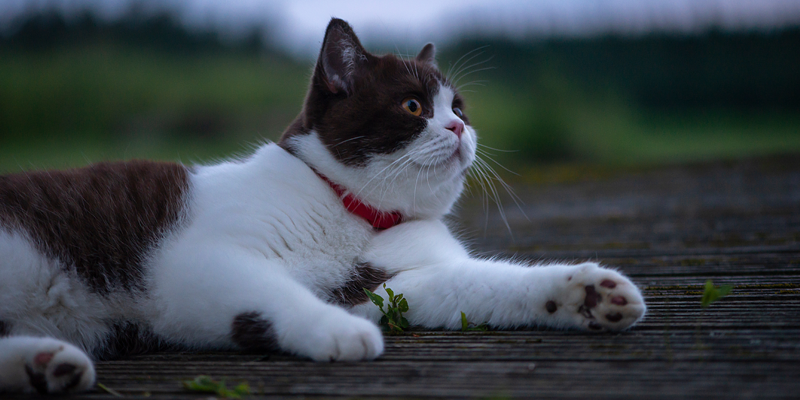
(298, 25)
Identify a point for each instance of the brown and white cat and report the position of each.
(272, 251)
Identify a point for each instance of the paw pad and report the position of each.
(600, 299)
(592, 297)
(608, 283)
(615, 317)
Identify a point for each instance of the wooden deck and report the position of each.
(670, 229)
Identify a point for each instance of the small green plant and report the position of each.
(393, 318)
(467, 326)
(712, 294)
(204, 383)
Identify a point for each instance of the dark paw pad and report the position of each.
(37, 380)
(608, 283)
(551, 306)
(74, 382)
(619, 300)
(594, 326)
(592, 297)
(64, 369)
(616, 317)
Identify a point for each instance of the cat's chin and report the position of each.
(455, 166)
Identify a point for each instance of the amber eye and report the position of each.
(412, 105)
(458, 112)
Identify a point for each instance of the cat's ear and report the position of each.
(428, 55)
(342, 57)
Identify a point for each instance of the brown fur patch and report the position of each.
(99, 220)
(128, 338)
(364, 276)
(251, 332)
(367, 116)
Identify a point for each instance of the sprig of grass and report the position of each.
(109, 390)
(204, 383)
(393, 318)
(467, 326)
(712, 294)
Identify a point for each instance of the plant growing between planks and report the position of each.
(204, 383)
(712, 293)
(393, 318)
(467, 326)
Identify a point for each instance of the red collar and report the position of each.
(378, 219)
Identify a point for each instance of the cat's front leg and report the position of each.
(440, 280)
(253, 304)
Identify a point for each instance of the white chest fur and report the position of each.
(274, 206)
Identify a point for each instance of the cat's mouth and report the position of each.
(457, 162)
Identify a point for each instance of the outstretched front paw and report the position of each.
(597, 298)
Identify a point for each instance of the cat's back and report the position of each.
(100, 220)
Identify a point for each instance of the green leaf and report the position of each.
(404, 323)
(204, 383)
(242, 389)
(201, 383)
(712, 294)
(377, 300)
(384, 320)
(389, 292)
(464, 322)
(403, 306)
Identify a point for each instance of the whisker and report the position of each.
(472, 72)
(464, 67)
(453, 66)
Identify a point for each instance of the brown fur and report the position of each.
(365, 116)
(251, 332)
(100, 220)
(127, 338)
(352, 292)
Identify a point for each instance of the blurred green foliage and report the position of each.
(144, 87)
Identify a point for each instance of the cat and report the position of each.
(273, 251)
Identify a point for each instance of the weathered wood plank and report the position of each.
(671, 229)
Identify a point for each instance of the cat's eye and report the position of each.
(412, 105)
(458, 112)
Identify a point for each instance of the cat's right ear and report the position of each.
(340, 59)
(428, 55)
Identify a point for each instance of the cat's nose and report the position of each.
(456, 126)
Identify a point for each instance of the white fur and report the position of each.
(421, 181)
(267, 235)
(42, 356)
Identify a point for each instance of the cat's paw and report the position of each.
(596, 298)
(51, 366)
(339, 336)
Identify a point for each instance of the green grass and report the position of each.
(72, 106)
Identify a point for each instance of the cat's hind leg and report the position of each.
(44, 365)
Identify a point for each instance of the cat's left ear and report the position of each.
(428, 55)
(342, 57)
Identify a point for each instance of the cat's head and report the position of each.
(391, 131)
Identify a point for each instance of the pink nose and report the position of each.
(456, 126)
